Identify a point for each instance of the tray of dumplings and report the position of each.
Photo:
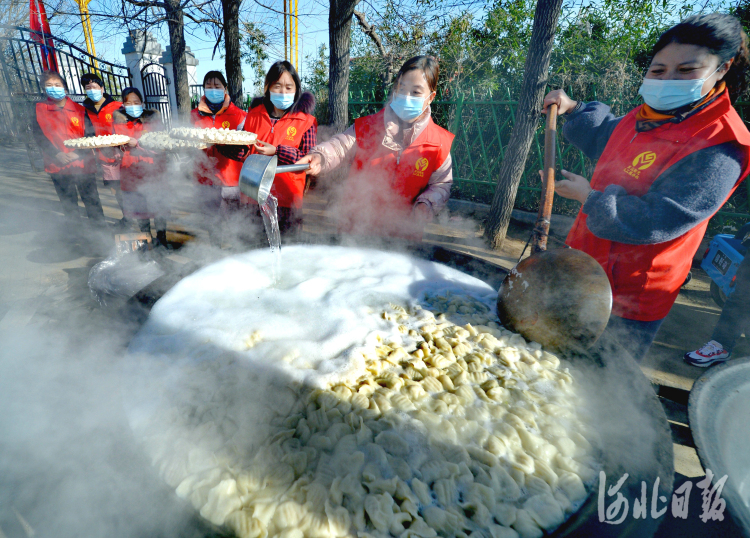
(214, 136)
(95, 142)
(162, 141)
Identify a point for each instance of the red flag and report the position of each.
(42, 34)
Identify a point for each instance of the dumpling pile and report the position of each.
(465, 431)
(214, 136)
(103, 141)
(161, 141)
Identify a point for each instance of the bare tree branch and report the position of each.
(148, 3)
(269, 8)
(369, 30)
(218, 42)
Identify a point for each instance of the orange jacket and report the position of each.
(288, 188)
(224, 170)
(383, 184)
(646, 279)
(139, 164)
(57, 125)
(103, 123)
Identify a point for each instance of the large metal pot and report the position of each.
(635, 435)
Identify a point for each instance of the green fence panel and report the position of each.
(482, 126)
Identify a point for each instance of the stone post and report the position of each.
(140, 49)
(166, 61)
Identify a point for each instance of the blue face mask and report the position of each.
(668, 95)
(406, 107)
(134, 111)
(54, 92)
(282, 101)
(94, 95)
(214, 96)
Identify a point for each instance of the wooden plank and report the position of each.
(676, 413)
(686, 461)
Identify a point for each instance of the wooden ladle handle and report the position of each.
(541, 230)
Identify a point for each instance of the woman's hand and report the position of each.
(574, 187)
(132, 142)
(315, 161)
(422, 212)
(561, 99)
(264, 148)
(67, 158)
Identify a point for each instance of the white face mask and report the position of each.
(667, 95)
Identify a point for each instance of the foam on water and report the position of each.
(326, 305)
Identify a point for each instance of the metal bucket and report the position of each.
(258, 173)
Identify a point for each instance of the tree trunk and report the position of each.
(232, 59)
(176, 25)
(527, 120)
(339, 33)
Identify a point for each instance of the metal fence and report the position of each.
(22, 63)
(156, 91)
(482, 126)
(24, 54)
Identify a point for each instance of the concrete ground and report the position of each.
(43, 286)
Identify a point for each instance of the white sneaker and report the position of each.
(711, 353)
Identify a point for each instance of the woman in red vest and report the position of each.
(285, 126)
(100, 108)
(72, 172)
(402, 169)
(664, 170)
(144, 192)
(219, 172)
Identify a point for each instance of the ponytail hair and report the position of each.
(723, 36)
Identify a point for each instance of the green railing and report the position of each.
(482, 126)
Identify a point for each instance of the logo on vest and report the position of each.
(108, 117)
(641, 162)
(74, 121)
(420, 167)
(291, 132)
(225, 124)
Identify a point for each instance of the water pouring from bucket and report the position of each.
(256, 179)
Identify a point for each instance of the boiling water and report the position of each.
(326, 302)
(225, 353)
(271, 222)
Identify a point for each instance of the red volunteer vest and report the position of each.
(138, 164)
(289, 187)
(103, 121)
(223, 171)
(60, 124)
(103, 124)
(646, 279)
(387, 182)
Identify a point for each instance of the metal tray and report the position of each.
(719, 414)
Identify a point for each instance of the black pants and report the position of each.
(70, 186)
(160, 223)
(735, 316)
(635, 336)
